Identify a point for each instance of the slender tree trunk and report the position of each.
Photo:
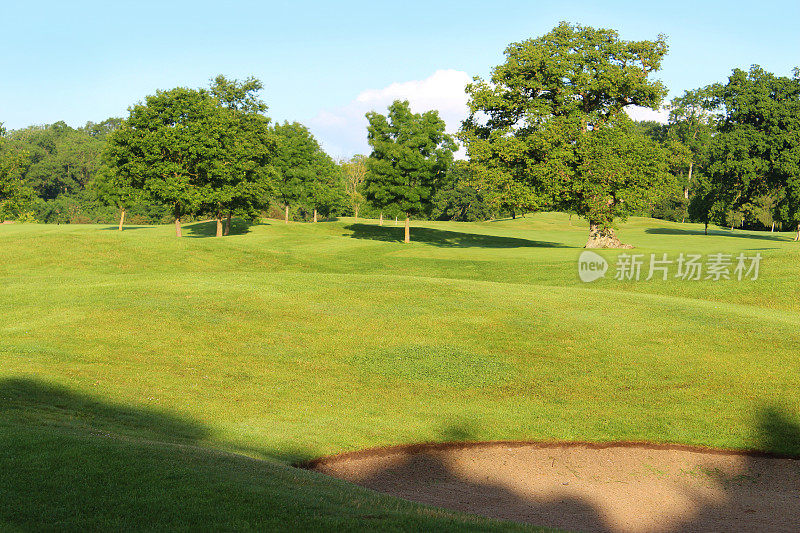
(686, 190)
(408, 229)
(356, 210)
(227, 229)
(395, 220)
(797, 237)
(121, 218)
(706, 228)
(380, 220)
(178, 227)
(773, 227)
(603, 237)
(286, 218)
(218, 218)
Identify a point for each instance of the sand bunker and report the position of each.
(588, 487)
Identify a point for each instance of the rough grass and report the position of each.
(132, 361)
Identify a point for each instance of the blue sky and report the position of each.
(326, 63)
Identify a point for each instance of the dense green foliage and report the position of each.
(549, 128)
(411, 154)
(756, 152)
(309, 178)
(546, 131)
(458, 199)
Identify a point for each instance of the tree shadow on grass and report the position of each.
(37, 403)
(208, 228)
(444, 238)
(716, 233)
(129, 228)
(69, 460)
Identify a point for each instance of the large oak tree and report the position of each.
(551, 120)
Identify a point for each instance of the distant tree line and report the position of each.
(547, 131)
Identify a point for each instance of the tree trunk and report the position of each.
(286, 218)
(121, 218)
(178, 227)
(380, 220)
(602, 237)
(408, 230)
(227, 229)
(356, 210)
(686, 190)
(315, 215)
(773, 227)
(706, 228)
(395, 220)
(797, 237)
(218, 218)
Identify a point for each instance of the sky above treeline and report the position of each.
(327, 63)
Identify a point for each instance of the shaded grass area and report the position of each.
(288, 342)
(444, 238)
(69, 461)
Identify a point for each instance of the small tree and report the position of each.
(307, 175)
(355, 172)
(458, 198)
(411, 154)
(692, 124)
(117, 189)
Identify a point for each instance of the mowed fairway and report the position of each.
(132, 363)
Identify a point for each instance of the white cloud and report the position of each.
(343, 131)
(645, 113)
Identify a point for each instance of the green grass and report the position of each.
(133, 363)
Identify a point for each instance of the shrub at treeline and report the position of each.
(548, 130)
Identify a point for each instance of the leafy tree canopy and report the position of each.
(411, 154)
(308, 176)
(757, 148)
(553, 108)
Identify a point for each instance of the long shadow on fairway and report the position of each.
(129, 228)
(444, 238)
(41, 404)
(69, 460)
(208, 228)
(715, 233)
